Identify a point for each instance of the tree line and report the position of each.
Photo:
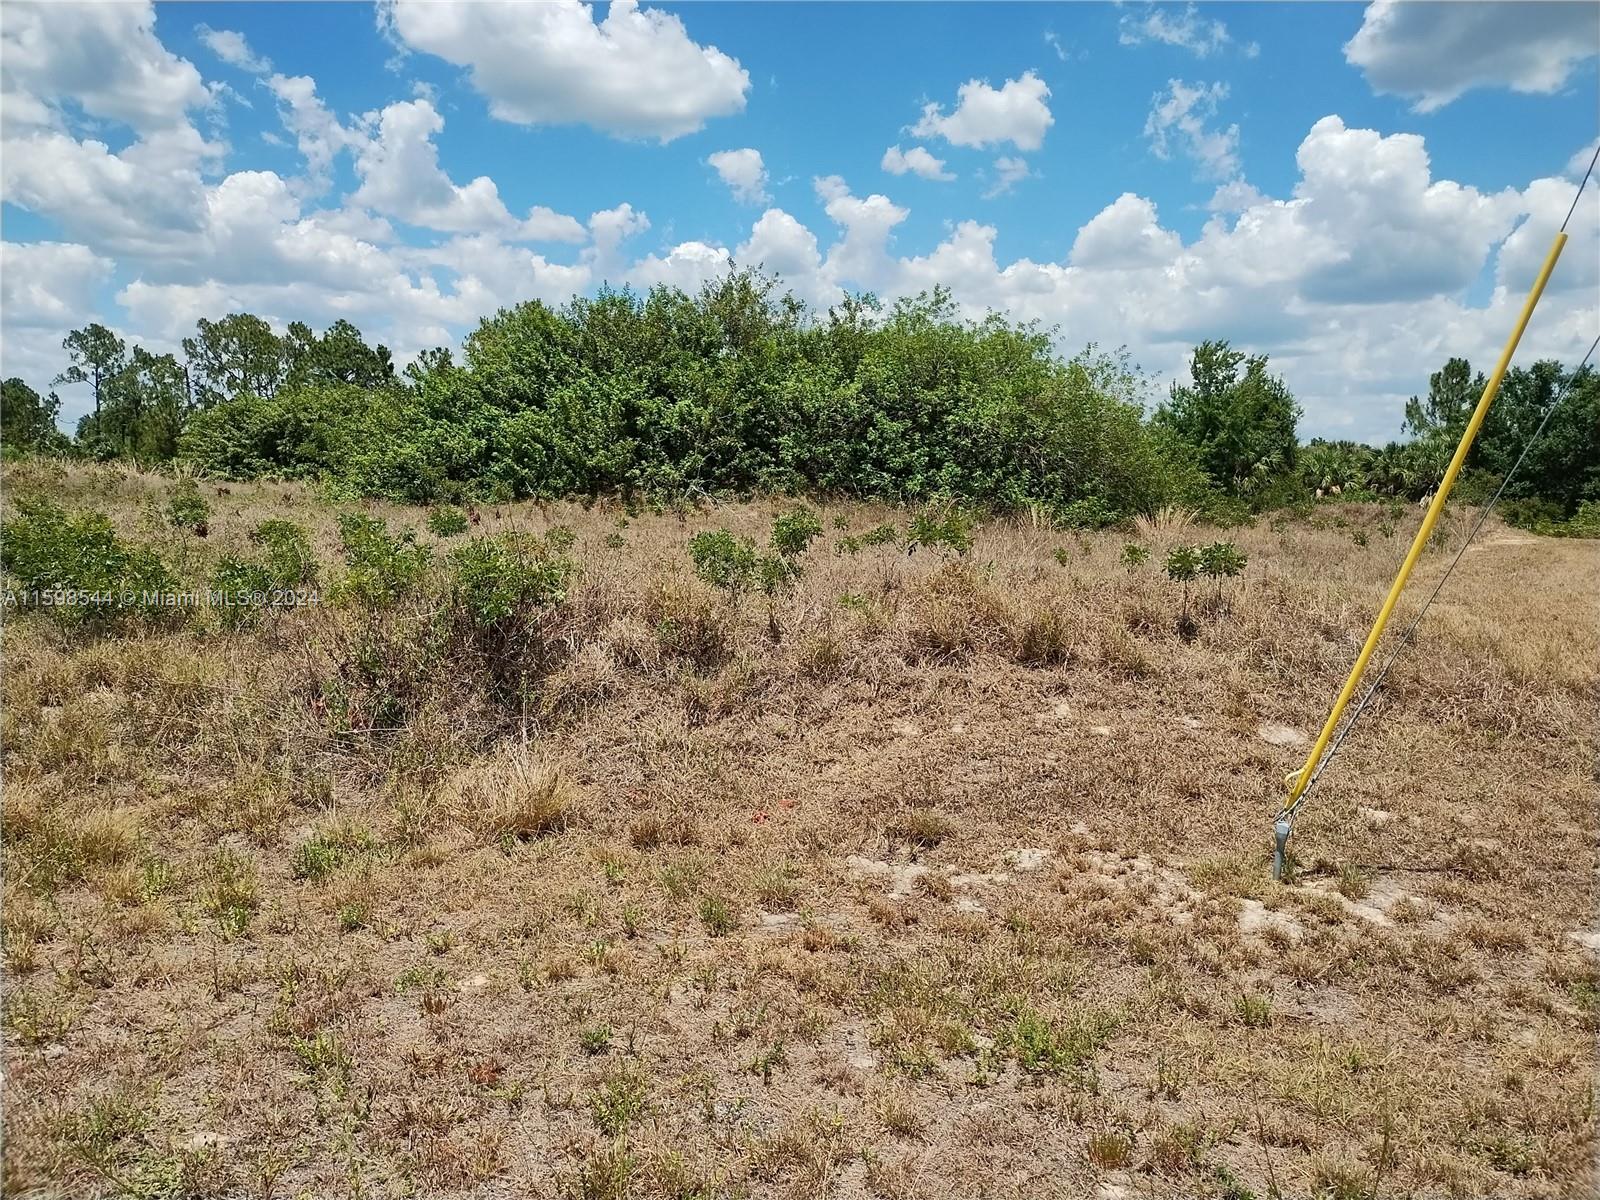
(739, 388)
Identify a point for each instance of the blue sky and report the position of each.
(1357, 191)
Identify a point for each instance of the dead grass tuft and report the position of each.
(516, 794)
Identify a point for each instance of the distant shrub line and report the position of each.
(740, 390)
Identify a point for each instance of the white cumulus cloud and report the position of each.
(1016, 112)
(743, 172)
(400, 177)
(637, 73)
(102, 58)
(1433, 53)
(915, 161)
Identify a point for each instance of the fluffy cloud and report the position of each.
(743, 172)
(782, 246)
(608, 230)
(1379, 225)
(1016, 112)
(401, 177)
(1355, 282)
(915, 161)
(49, 284)
(148, 199)
(105, 57)
(1433, 53)
(1179, 117)
(318, 133)
(687, 265)
(1125, 235)
(1546, 202)
(1187, 29)
(636, 74)
(861, 254)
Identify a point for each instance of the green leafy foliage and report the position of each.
(945, 525)
(1134, 556)
(723, 560)
(241, 588)
(289, 559)
(28, 421)
(503, 576)
(1183, 563)
(48, 551)
(186, 507)
(794, 531)
(1239, 418)
(739, 388)
(1221, 560)
(446, 520)
(382, 567)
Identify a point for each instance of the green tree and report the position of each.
(96, 356)
(27, 421)
(1564, 464)
(1239, 418)
(239, 353)
(340, 356)
(1453, 393)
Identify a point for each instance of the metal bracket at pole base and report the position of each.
(1281, 829)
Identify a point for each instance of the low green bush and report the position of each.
(446, 520)
(724, 561)
(794, 531)
(382, 567)
(500, 576)
(186, 507)
(944, 525)
(289, 560)
(77, 567)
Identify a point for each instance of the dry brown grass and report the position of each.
(948, 879)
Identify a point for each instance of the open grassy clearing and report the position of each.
(933, 877)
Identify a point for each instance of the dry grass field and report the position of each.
(938, 877)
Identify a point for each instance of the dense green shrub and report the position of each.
(734, 389)
(242, 588)
(186, 507)
(499, 576)
(239, 589)
(382, 567)
(77, 567)
(299, 433)
(794, 531)
(741, 389)
(1239, 418)
(502, 585)
(289, 559)
(1545, 517)
(446, 520)
(944, 525)
(724, 561)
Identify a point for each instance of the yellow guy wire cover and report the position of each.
(1299, 780)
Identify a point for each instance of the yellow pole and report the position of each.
(1298, 781)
